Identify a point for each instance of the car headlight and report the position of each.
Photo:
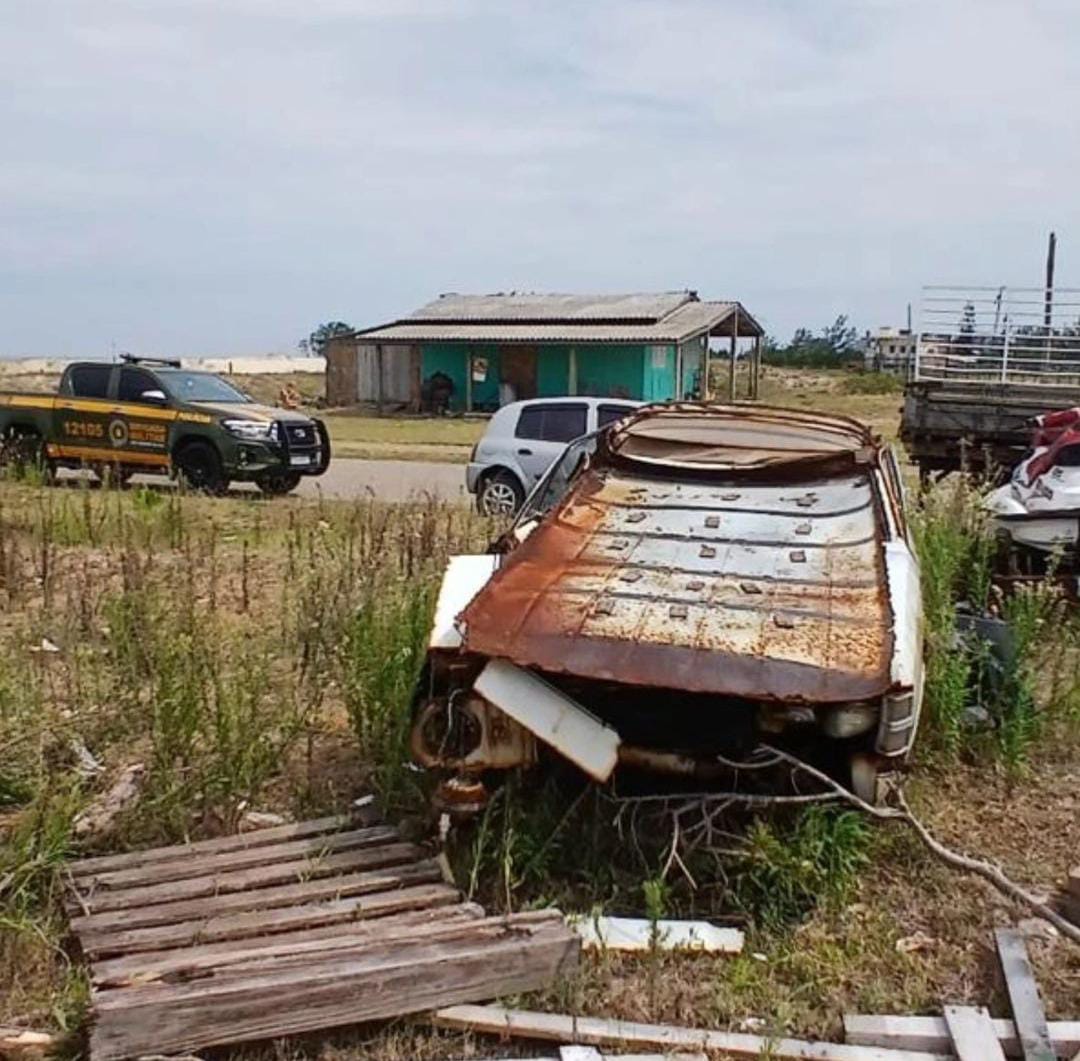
(252, 430)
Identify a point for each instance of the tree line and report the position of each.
(834, 346)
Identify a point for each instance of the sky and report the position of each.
(220, 176)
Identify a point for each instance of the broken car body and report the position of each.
(680, 587)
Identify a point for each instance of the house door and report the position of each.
(517, 374)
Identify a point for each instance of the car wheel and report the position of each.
(199, 468)
(500, 495)
(277, 484)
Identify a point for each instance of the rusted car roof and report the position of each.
(765, 587)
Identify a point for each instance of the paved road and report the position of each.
(387, 480)
(349, 478)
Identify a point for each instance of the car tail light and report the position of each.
(897, 722)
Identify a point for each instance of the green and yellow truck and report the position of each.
(150, 415)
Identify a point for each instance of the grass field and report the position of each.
(262, 655)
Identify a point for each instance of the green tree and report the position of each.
(316, 342)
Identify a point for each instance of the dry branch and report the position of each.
(965, 863)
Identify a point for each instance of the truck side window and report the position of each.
(132, 384)
(90, 381)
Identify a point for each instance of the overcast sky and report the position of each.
(219, 176)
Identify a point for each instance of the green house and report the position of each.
(465, 353)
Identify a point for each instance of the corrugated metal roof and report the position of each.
(537, 308)
(684, 322)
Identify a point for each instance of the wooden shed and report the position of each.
(465, 353)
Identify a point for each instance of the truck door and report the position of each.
(138, 429)
(81, 414)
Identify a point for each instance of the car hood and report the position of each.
(251, 411)
(760, 590)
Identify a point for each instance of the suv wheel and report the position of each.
(277, 484)
(500, 495)
(199, 468)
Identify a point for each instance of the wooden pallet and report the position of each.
(289, 929)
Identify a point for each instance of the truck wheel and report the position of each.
(277, 484)
(500, 495)
(199, 468)
(24, 452)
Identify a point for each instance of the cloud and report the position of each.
(197, 176)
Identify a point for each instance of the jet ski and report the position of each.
(1039, 507)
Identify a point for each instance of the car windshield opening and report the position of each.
(201, 387)
(553, 486)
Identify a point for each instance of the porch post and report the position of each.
(756, 377)
(571, 371)
(731, 369)
(468, 379)
(705, 371)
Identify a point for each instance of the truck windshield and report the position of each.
(200, 387)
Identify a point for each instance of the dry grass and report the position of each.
(293, 608)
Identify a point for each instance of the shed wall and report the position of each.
(341, 371)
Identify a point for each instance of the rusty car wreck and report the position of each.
(680, 588)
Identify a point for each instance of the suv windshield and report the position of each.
(200, 387)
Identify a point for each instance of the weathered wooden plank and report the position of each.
(235, 842)
(308, 891)
(91, 887)
(597, 1031)
(1027, 1007)
(262, 922)
(973, 1035)
(932, 1033)
(250, 880)
(187, 962)
(375, 954)
(169, 1020)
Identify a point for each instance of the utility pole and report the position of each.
(1048, 308)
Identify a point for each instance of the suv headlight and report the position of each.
(252, 430)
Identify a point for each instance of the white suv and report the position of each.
(522, 440)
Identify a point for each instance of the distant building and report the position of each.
(890, 350)
(477, 352)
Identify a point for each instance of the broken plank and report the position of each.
(597, 1031)
(414, 979)
(279, 919)
(248, 880)
(1027, 1007)
(973, 1035)
(234, 842)
(932, 1033)
(319, 889)
(263, 854)
(186, 961)
(640, 934)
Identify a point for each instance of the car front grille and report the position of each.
(301, 436)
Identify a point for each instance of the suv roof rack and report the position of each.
(138, 359)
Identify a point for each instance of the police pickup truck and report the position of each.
(149, 415)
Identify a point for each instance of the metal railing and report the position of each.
(1020, 335)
